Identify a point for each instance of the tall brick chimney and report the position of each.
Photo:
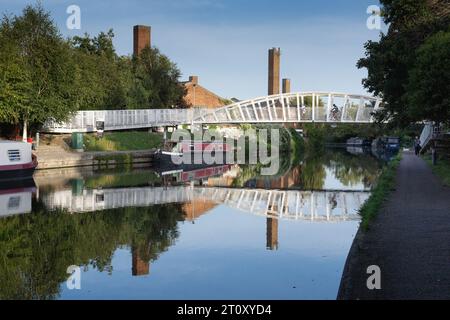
(274, 71)
(286, 85)
(193, 79)
(141, 38)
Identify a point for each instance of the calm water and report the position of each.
(214, 233)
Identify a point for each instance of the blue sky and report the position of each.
(225, 42)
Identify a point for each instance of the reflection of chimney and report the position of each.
(286, 85)
(274, 71)
(272, 234)
(141, 38)
(140, 267)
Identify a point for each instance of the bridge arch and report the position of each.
(326, 107)
(299, 107)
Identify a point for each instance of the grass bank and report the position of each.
(380, 192)
(441, 169)
(123, 141)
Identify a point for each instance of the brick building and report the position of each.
(198, 96)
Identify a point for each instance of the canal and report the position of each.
(222, 232)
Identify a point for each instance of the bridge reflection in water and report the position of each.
(196, 192)
(114, 218)
(315, 206)
(323, 206)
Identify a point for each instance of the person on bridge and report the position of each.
(335, 111)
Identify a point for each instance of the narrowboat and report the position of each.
(17, 160)
(391, 143)
(187, 148)
(358, 142)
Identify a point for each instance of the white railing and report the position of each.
(427, 135)
(330, 107)
(298, 107)
(85, 121)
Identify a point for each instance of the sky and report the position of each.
(226, 42)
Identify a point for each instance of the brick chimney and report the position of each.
(286, 85)
(193, 79)
(141, 38)
(274, 71)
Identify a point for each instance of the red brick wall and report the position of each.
(200, 97)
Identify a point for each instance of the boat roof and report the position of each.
(11, 141)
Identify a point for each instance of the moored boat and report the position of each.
(17, 160)
(359, 142)
(187, 151)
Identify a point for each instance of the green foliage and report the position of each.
(123, 141)
(37, 248)
(102, 76)
(380, 192)
(36, 71)
(429, 86)
(315, 135)
(42, 75)
(441, 169)
(155, 82)
(390, 61)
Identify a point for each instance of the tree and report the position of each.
(155, 81)
(43, 76)
(37, 73)
(390, 60)
(101, 74)
(429, 86)
(15, 83)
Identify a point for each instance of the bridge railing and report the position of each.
(85, 121)
(297, 107)
(283, 108)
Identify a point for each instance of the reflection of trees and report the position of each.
(249, 174)
(37, 248)
(351, 170)
(348, 169)
(313, 174)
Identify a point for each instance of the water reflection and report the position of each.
(90, 218)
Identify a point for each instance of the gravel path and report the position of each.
(409, 240)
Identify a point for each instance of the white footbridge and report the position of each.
(320, 206)
(300, 107)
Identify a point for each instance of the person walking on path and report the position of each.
(417, 146)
